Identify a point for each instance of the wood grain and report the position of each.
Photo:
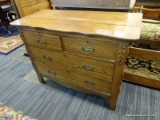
(149, 82)
(100, 48)
(101, 70)
(118, 75)
(148, 13)
(92, 51)
(27, 7)
(115, 25)
(60, 73)
(148, 42)
(148, 3)
(35, 8)
(26, 3)
(42, 40)
(41, 80)
(144, 53)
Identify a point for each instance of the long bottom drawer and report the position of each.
(59, 73)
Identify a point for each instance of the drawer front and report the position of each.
(48, 56)
(89, 67)
(90, 47)
(41, 40)
(51, 71)
(90, 82)
(93, 68)
(59, 73)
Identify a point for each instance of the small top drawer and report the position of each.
(42, 40)
(90, 47)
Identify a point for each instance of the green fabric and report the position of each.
(150, 31)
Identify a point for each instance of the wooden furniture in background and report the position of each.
(78, 51)
(148, 3)
(26, 7)
(4, 2)
(151, 16)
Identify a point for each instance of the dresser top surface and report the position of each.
(120, 25)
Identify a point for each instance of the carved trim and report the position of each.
(122, 52)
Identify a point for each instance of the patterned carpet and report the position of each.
(7, 113)
(143, 67)
(9, 42)
(134, 102)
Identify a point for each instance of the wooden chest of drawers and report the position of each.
(80, 49)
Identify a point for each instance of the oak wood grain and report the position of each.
(122, 52)
(41, 80)
(98, 48)
(26, 3)
(60, 73)
(26, 7)
(43, 40)
(35, 8)
(100, 70)
(104, 40)
(148, 13)
(144, 54)
(142, 80)
(109, 24)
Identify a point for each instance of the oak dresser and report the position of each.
(82, 50)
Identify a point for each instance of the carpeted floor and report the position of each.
(7, 113)
(41, 102)
(9, 42)
(14, 31)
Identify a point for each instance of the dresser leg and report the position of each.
(112, 105)
(41, 80)
(122, 52)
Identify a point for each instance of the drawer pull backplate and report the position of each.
(51, 72)
(46, 57)
(88, 49)
(42, 41)
(88, 68)
(89, 83)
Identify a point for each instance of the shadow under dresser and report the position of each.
(82, 50)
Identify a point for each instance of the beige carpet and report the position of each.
(8, 44)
